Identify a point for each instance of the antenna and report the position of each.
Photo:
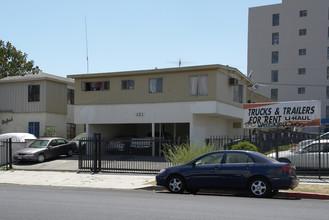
(87, 45)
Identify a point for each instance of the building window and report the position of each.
(301, 90)
(303, 13)
(155, 85)
(328, 32)
(327, 111)
(71, 130)
(198, 85)
(274, 94)
(302, 52)
(34, 128)
(274, 76)
(327, 72)
(275, 38)
(238, 93)
(275, 57)
(302, 71)
(70, 96)
(327, 92)
(275, 19)
(34, 93)
(302, 32)
(127, 84)
(96, 86)
(328, 53)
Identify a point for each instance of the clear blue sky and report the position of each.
(128, 34)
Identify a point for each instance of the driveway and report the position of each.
(58, 164)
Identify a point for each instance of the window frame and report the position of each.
(303, 13)
(301, 90)
(128, 84)
(302, 32)
(275, 38)
(156, 87)
(274, 75)
(96, 86)
(302, 71)
(34, 93)
(238, 93)
(302, 52)
(275, 57)
(198, 85)
(274, 94)
(275, 19)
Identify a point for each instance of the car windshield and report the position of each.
(39, 144)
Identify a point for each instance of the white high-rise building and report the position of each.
(288, 51)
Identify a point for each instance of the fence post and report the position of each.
(319, 147)
(10, 154)
(96, 141)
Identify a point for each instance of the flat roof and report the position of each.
(164, 70)
(34, 77)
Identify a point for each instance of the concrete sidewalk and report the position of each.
(76, 179)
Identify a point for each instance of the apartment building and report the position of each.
(288, 51)
(186, 102)
(40, 104)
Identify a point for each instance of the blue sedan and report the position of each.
(236, 169)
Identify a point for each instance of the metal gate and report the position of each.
(123, 155)
(6, 154)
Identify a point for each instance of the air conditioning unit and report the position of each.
(233, 81)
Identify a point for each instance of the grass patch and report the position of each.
(180, 154)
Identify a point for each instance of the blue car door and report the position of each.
(236, 169)
(205, 171)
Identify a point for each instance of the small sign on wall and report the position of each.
(140, 114)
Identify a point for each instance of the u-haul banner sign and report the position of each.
(282, 114)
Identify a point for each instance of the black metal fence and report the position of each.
(308, 152)
(145, 155)
(124, 155)
(6, 154)
(264, 141)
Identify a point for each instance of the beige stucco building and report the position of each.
(41, 104)
(194, 102)
(288, 51)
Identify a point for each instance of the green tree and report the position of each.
(14, 62)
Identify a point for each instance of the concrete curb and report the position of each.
(304, 195)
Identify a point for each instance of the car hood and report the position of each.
(29, 150)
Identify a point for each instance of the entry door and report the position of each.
(34, 128)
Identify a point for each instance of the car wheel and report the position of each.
(259, 187)
(69, 153)
(41, 158)
(176, 184)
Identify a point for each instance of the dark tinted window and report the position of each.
(275, 19)
(238, 158)
(215, 158)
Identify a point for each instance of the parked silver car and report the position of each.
(45, 148)
(307, 157)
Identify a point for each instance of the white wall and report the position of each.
(205, 118)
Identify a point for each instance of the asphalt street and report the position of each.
(38, 202)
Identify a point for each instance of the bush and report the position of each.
(244, 145)
(184, 153)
